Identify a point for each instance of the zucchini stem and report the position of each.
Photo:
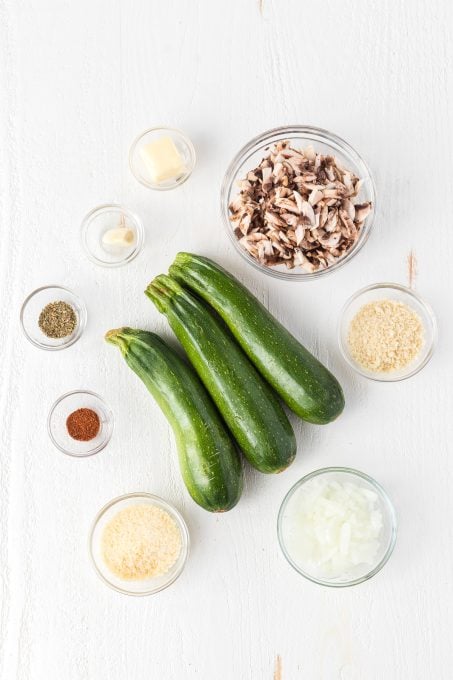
(161, 290)
(119, 337)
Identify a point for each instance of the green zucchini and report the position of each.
(248, 405)
(304, 384)
(210, 464)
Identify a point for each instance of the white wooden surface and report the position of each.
(78, 81)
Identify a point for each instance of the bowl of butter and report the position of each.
(162, 158)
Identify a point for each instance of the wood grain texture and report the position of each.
(78, 81)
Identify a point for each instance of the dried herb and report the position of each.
(57, 319)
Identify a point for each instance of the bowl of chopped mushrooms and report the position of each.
(298, 202)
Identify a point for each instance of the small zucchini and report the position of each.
(304, 384)
(248, 405)
(210, 465)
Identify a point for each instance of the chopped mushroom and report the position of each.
(297, 208)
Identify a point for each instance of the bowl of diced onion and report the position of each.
(337, 527)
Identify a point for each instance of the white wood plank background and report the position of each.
(78, 80)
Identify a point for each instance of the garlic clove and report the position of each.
(120, 236)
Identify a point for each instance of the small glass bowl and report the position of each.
(63, 407)
(141, 587)
(300, 136)
(183, 145)
(101, 219)
(388, 532)
(389, 291)
(35, 303)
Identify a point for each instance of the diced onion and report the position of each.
(332, 528)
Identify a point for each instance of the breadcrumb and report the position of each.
(385, 336)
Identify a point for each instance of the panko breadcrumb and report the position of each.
(385, 336)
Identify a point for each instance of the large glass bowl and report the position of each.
(323, 141)
(387, 536)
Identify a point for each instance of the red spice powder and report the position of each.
(83, 424)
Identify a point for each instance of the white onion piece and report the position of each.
(332, 527)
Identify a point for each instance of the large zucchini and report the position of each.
(210, 465)
(306, 386)
(248, 405)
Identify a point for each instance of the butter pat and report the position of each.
(162, 160)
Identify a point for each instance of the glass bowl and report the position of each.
(139, 587)
(35, 303)
(299, 136)
(184, 147)
(392, 291)
(388, 533)
(63, 407)
(101, 219)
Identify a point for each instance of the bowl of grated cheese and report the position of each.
(139, 544)
(386, 332)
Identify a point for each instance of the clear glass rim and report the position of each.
(140, 235)
(387, 377)
(382, 493)
(173, 512)
(162, 128)
(83, 315)
(100, 446)
(286, 130)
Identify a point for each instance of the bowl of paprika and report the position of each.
(80, 423)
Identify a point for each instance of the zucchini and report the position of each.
(210, 465)
(248, 405)
(304, 384)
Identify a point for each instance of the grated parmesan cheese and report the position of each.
(140, 542)
(385, 336)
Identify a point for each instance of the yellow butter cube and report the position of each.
(162, 160)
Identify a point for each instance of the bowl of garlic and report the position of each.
(112, 235)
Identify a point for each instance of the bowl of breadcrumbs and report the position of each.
(387, 332)
(139, 544)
